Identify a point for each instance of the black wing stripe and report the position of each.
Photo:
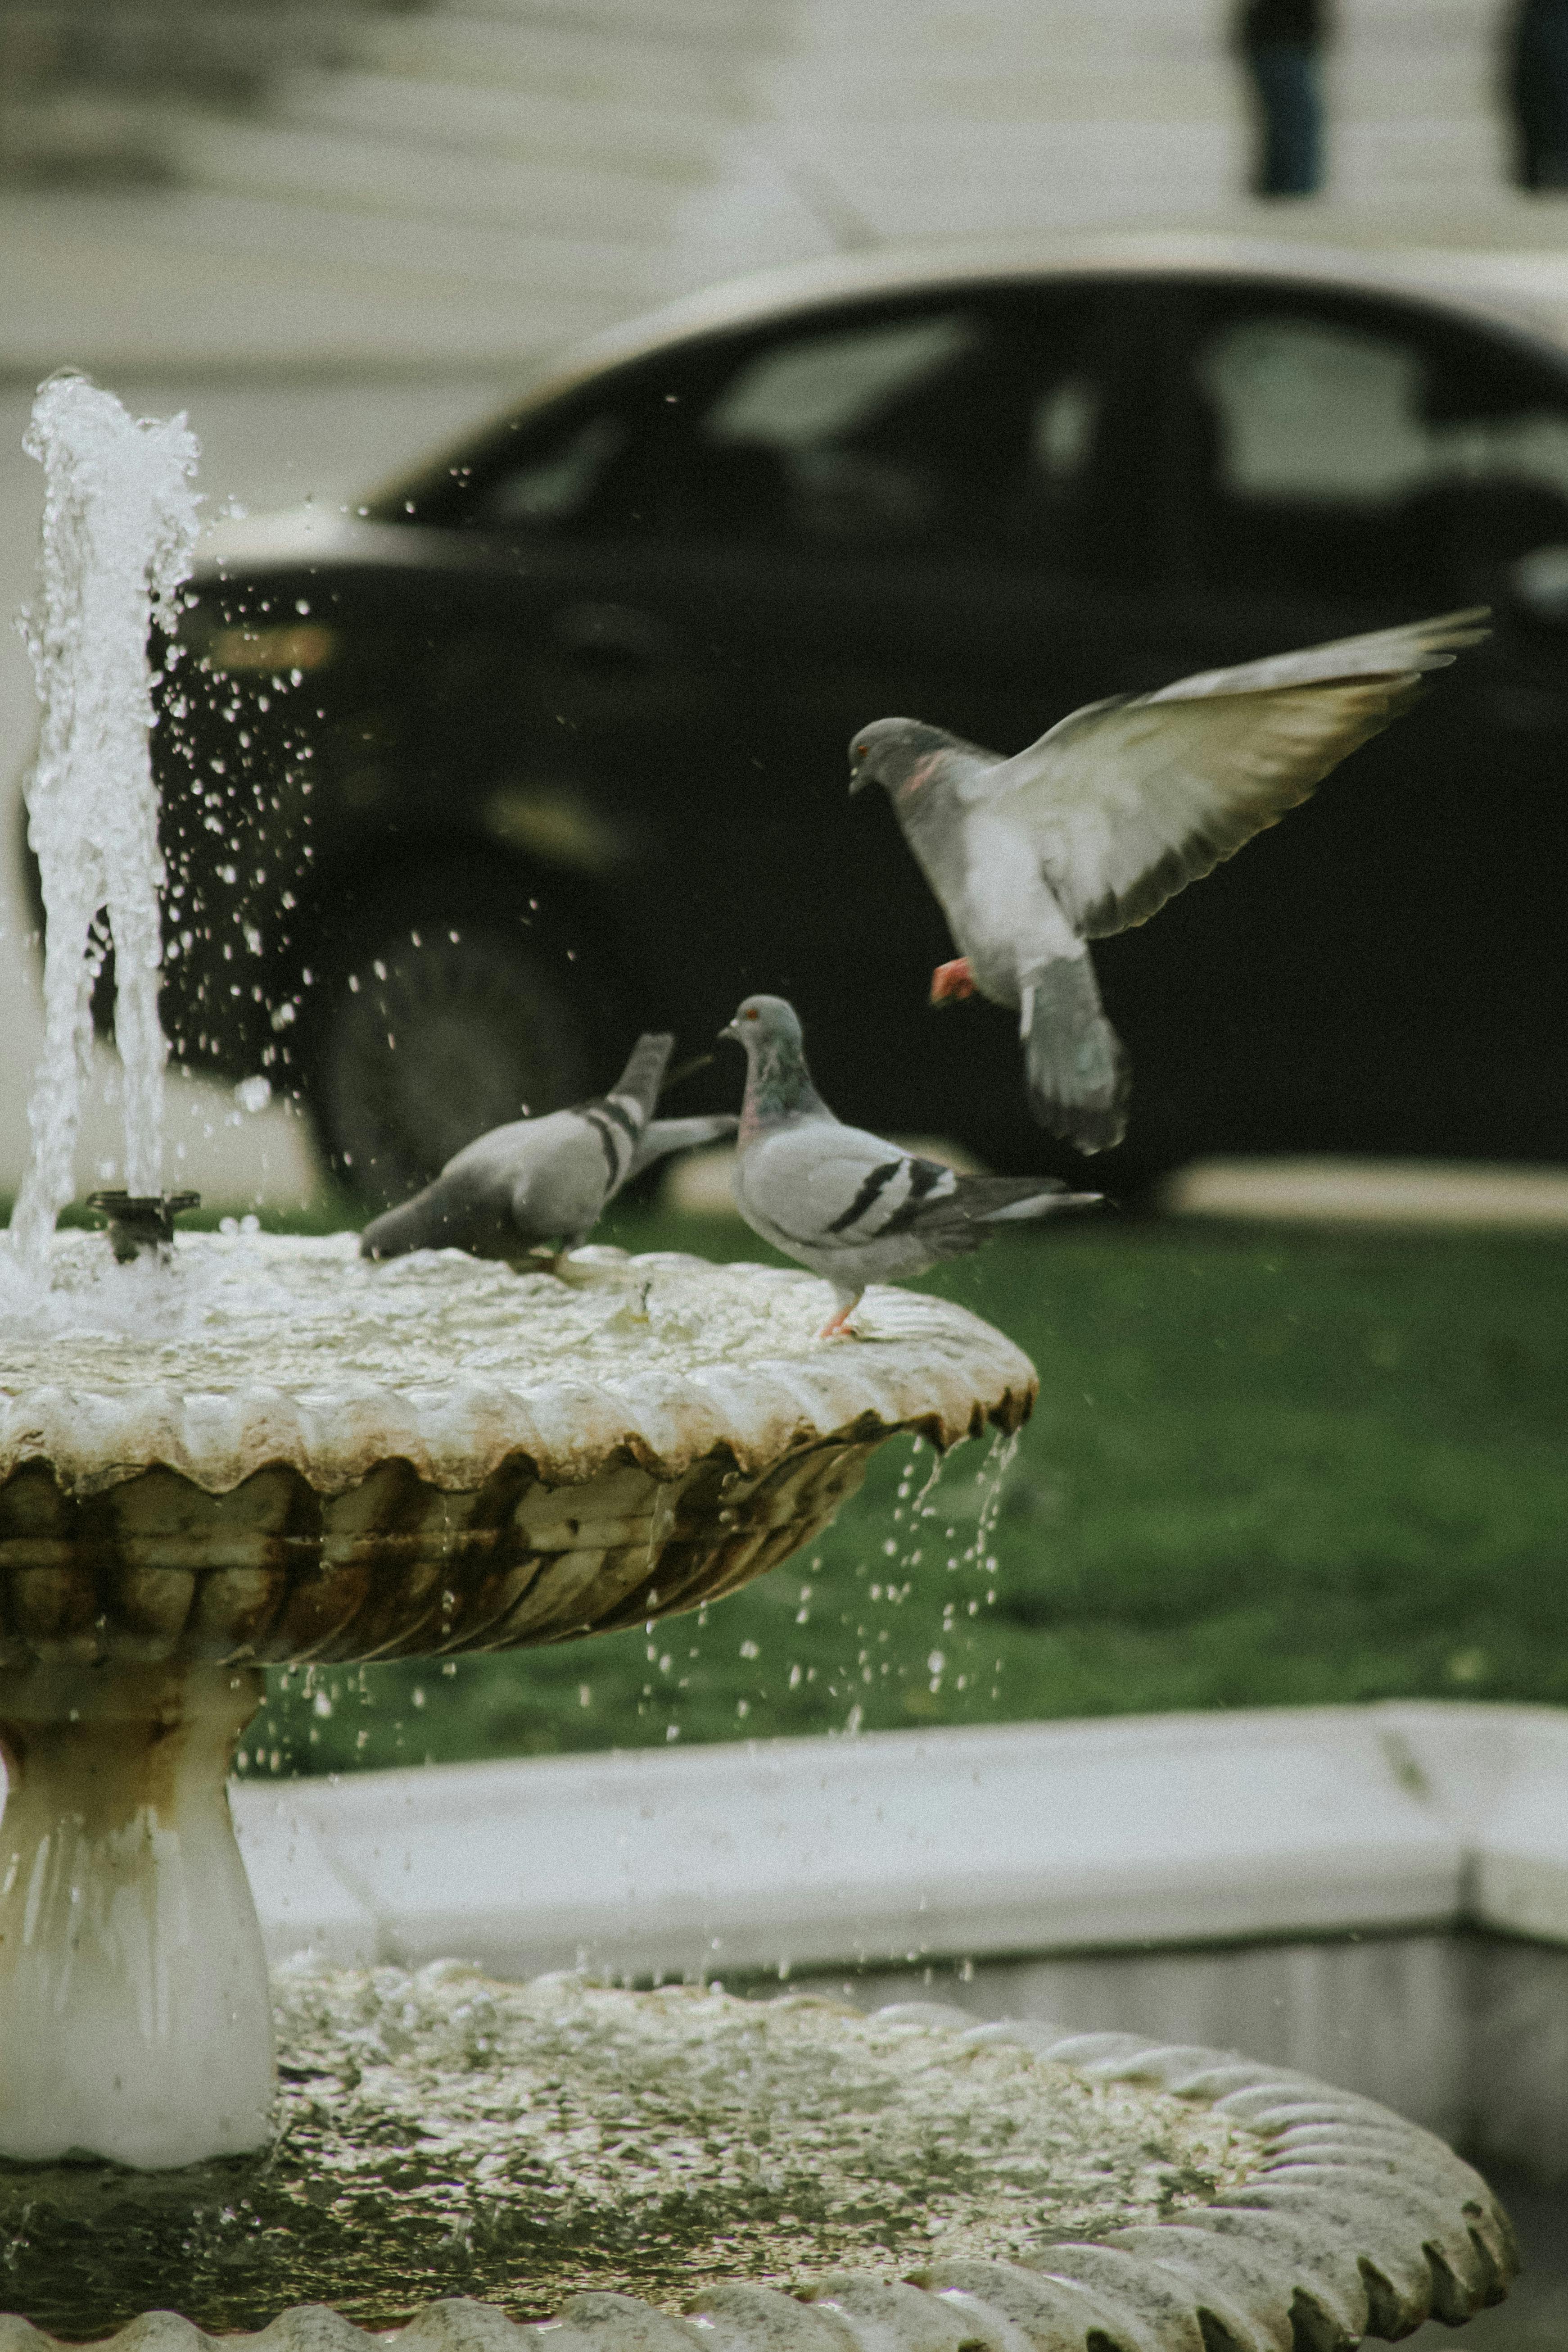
(606, 1135)
(924, 1176)
(605, 1107)
(875, 1184)
(623, 1119)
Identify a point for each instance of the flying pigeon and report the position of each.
(1115, 810)
(543, 1183)
(842, 1203)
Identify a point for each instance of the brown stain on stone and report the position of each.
(116, 1741)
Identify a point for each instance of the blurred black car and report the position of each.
(547, 742)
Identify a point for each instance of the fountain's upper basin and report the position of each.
(269, 1449)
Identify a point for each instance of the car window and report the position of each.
(800, 393)
(798, 413)
(798, 444)
(1065, 422)
(1336, 455)
(970, 427)
(974, 424)
(559, 482)
(1306, 410)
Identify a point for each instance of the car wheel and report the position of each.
(429, 1026)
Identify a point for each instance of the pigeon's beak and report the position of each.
(731, 1031)
(859, 778)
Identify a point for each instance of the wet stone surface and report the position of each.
(243, 1352)
(231, 1312)
(442, 2135)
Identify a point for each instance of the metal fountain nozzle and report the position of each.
(138, 1222)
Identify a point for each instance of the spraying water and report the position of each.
(119, 525)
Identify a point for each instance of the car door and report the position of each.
(943, 503)
(1384, 970)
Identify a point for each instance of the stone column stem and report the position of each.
(135, 2022)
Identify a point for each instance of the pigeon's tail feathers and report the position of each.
(399, 1230)
(1033, 1204)
(620, 1118)
(953, 1223)
(643, 1076)
(1077, 1068)
(662, 1136)
(443, 1216)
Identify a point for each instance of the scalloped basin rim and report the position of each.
(923, 1364)
(1353, 2222)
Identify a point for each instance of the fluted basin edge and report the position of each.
(1352, 2223)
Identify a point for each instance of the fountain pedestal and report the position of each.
(132, 1978)
(337, 1462)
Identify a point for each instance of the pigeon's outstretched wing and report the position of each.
(1127, 802)
(662, 1136)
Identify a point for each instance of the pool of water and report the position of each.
(226, 1313)
(441, 2135)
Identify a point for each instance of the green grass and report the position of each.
(1267, 1470)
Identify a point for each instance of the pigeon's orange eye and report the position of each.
(752, 1014)
(859, 750)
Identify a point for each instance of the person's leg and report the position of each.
(1291, 156)
(1549, 109)
(1528, 94)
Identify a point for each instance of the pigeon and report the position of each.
(844, 1204)
(538, 1186)
(1120, 807)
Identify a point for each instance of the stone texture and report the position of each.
(1369, 2232)
(160, 1522)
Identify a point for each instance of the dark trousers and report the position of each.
(1538, 88)
(1290, 150)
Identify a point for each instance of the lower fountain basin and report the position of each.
(780, 2170)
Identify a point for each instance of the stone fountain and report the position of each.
(293, 1470)
(222, 1452)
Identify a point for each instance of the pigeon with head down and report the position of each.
(841, 1202)
(1120, 807)
(540, 1185)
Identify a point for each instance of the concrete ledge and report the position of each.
(894, 1847)
(1419, 1193)
(1378, 1895)
(903, 1846)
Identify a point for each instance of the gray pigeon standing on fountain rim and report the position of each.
(538, 1184)
(841, 1202)
(1120, 807)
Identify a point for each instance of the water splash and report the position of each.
(441, 2135)
(119, 525)
(992, 1479)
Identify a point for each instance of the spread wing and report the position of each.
(1129, 800)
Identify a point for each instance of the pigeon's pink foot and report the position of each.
(951, 980)
(838, 1326)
